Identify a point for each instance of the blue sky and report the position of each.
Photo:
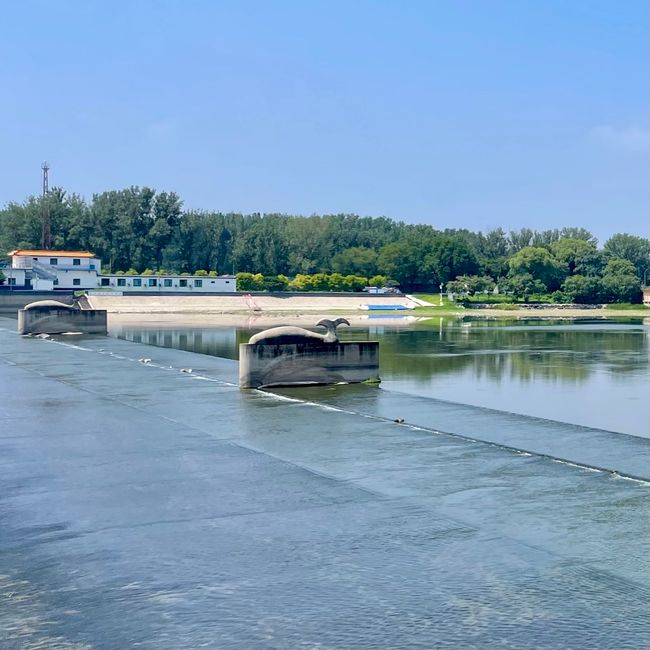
(457, 113)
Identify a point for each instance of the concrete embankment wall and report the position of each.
(216, 304)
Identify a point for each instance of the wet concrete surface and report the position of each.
(142, 506)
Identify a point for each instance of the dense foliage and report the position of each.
(137, 229)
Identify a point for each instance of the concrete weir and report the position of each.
(292, 356)
(146, 507)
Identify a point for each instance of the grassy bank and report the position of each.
(514, 310)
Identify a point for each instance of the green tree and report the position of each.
(578, 233)
(579, 256)
(402, 261)
(2, 277)
(523, 285)
(540, 264)
(250, 282)
(337, 282)
(492, 253)
(449, 257)
(631, 248)
(302, 282)
(583, 289)
(378, 281)
(164, 220)
(276, 283)
(518, 239)
(355, 282)
(620, 281)
(470, 284)
(357, 260)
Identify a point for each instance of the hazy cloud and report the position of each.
(632, 138)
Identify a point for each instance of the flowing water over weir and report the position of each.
(142, 506)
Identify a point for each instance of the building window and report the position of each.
(54, 261)
(137, 282)
(227, 281)
(152, 282)
(182, 282)
(12, 282)
(76, 261)
(76, 282)
(55, 282)
(167, 282)
(121, 282)
(106, 282)
(198, 283)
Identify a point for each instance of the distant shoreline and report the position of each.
(308, 307)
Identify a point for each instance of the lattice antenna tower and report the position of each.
(46, 226)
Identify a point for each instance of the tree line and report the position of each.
(137, 229)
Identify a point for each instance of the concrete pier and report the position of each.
(49, 320)
(143, 506)
(308, 363)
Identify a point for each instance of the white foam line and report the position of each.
(520, 452)
(221, 382)
(69, 345)
(568, 462)
(618, 477)
(282, 398)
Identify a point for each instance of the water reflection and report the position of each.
(591, 373)
(568, 353)
(215, 342)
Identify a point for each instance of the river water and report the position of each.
(590, 373)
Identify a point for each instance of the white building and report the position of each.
(47, 270)
(43, 270)
(163, 283)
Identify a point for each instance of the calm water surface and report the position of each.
(591, 373)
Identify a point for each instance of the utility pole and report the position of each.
(46, 228)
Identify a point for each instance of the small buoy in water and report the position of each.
(187, 370)
(399, 420)
(144, 360)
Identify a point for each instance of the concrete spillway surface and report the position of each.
(142, 506)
